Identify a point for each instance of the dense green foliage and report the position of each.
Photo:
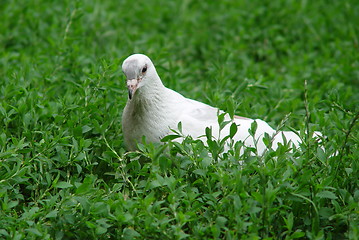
(64, 171)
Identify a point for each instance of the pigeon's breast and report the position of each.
(145, 119)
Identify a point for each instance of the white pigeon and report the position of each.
(153, 111)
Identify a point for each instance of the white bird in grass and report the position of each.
(153, 111)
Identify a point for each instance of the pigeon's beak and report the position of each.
(132, 85)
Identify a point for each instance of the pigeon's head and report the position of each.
(139, 70)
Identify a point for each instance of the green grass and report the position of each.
(64, 172)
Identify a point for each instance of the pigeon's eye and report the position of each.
(144, 69)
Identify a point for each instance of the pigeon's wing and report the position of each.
(194, 116)
(201, 111)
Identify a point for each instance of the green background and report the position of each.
(64, 172)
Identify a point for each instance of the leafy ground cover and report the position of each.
(64, 172)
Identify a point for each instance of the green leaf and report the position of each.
(154, 184)
(63, 185)
(85, 186)
(100, 230)
(179, 127)
(326, 194)
(52, 214)
(267, 140)
(84, 203)
(129, 233)
(349, 171)
(209, 133)
(233, 130)
(326, 212)
(253, 129)
(34, 231)
(170, 138)
(298, 234)
(206, 162)
(200, 172)
(90, 224)
(86, 129)
(321, 155)
(3, 232)
(230, 107)
(289, 221)
(258, 197)
(12, 204)
(221, 118)
(221, 221)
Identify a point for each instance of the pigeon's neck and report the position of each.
(150, 96)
